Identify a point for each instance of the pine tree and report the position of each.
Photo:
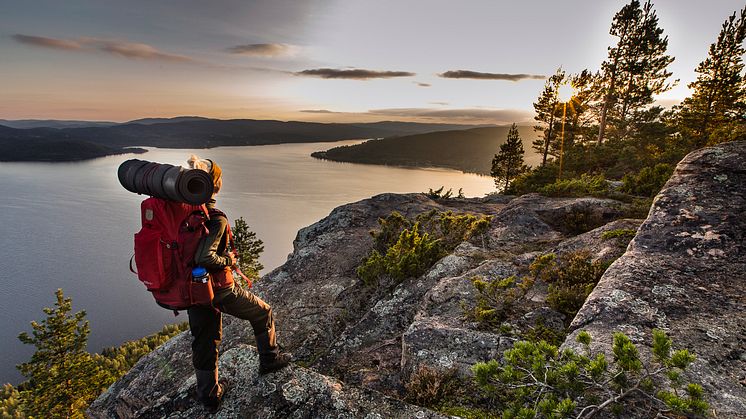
(719, 97)
(62, 376)
(546, 114)
(636, 68)
(508, 163)
(249, 249)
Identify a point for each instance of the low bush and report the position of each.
(585, 185)
(431, 387)
(571, 279)
(404, 248)
(623, 233)
(538, 380)
(648, 181)
(534, 179)
(496, 300)
(411, 256)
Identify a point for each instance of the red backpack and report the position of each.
(165, 249)
(164, 252)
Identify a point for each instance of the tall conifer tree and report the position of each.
(62, 376)
(508, 163)
(546, 114)
(719, 97)
(635, 71)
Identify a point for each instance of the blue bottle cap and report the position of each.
(198, 271)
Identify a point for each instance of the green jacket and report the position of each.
(211, 252)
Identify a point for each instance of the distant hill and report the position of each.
(53, 123)
(468, 150)
(186, 132)
(150, 121)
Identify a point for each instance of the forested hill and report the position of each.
(468, 150)
(44, 143)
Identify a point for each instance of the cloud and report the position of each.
(134, 50)
(41, 41)
(465, 114)
(440, 103)
(317, 111)
(466, 74)
(261, 50)
(124, 49)
(352, 74)
(423, 84)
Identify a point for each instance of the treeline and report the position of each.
(466, 150)
(610, 127)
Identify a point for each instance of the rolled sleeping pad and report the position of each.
(165, 181)
(195, 186)
(155, 182)
(122, 172)
(129, 176)
(141, 177)
(170, 181)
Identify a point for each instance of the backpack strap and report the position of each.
(131, 268)
(232, 243)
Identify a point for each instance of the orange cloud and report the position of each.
(261, 50)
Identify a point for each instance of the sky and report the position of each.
(472, 61)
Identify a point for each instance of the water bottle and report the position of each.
(201, 287)
(199, 274)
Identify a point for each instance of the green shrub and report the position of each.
(585, 185)
(539, 331)
(439, 194)
(452, 229)
(431, 387)
(579, 221)
(623, 233)
(571, 279)
(411, 256)
(537, 380)
(649, 181)
(404, 248)
(389, 232)
(534, 179)
(496, 300)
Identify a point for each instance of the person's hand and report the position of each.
(234, 259)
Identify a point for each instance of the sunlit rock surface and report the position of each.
(685, 273)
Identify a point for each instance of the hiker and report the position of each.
(205, 323)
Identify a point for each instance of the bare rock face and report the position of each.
(161, 386)
(685, 273)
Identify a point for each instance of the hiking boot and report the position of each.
(209, 390)
(280, 362)
(212, 404)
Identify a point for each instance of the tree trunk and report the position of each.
(548, 140)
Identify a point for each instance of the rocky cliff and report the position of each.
(357, 346)
(685, 273)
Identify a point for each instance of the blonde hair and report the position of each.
(195, 162)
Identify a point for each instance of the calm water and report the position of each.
(70, 226)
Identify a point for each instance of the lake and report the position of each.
(71, 225)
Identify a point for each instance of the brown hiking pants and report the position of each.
(206, 326)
